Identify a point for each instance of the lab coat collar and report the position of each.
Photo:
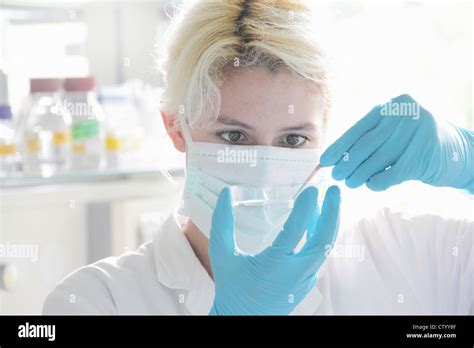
(178, 267)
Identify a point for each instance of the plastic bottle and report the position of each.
(87, 123)
(121, 117)
(46, 136)
(7, 141)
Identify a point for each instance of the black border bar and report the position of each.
(292, 330)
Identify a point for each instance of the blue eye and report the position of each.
(294, 140)
(232, 136)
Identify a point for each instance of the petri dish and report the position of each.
(257, 195)
(250, 195)
(261, 210)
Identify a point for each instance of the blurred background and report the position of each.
(86, 168)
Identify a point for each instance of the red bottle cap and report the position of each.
(79, 84)
(45, 85)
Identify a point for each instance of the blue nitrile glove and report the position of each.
(392, 144)
(274, 281)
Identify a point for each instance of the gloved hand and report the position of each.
(274, 281)
(392, 144)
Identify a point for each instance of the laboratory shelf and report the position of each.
(23, 180)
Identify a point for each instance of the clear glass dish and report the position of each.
(249, 195)
(257, 195)
(261, 211)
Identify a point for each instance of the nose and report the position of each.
(264, 139)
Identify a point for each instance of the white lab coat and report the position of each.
(409, 265)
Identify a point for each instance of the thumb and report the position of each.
(327, 224)
(299, 220)
(222, 228)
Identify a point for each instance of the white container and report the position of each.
(47, 144)
(122, 139)
(87, 124)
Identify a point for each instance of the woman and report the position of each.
(246, 76)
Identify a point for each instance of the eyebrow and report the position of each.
(304, 126)
(233, 122)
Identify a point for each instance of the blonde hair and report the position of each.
(211, 35)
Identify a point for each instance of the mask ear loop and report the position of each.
(186, 133)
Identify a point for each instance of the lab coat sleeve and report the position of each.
(84, 291)
(403, 265)
(126, 284)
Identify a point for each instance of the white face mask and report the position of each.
(212, 166)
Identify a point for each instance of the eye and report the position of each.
(232, 136)
(294, 140)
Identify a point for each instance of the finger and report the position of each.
(385, 156)
(364, 147)
(389, 177)
(222, 229)
(335, 152)
(327, 225)
(408, 166)
(312, 225)
(298, 222)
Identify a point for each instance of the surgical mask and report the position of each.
(211, 167)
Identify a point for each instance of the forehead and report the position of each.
(256, 94)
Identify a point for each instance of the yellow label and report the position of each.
(61, 138)
(32, 145)
(7, 149)
(78, 148)
(112, 143)
(136, 144)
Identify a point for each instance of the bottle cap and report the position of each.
(5, 112)
(45, 85)
(79, 84)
